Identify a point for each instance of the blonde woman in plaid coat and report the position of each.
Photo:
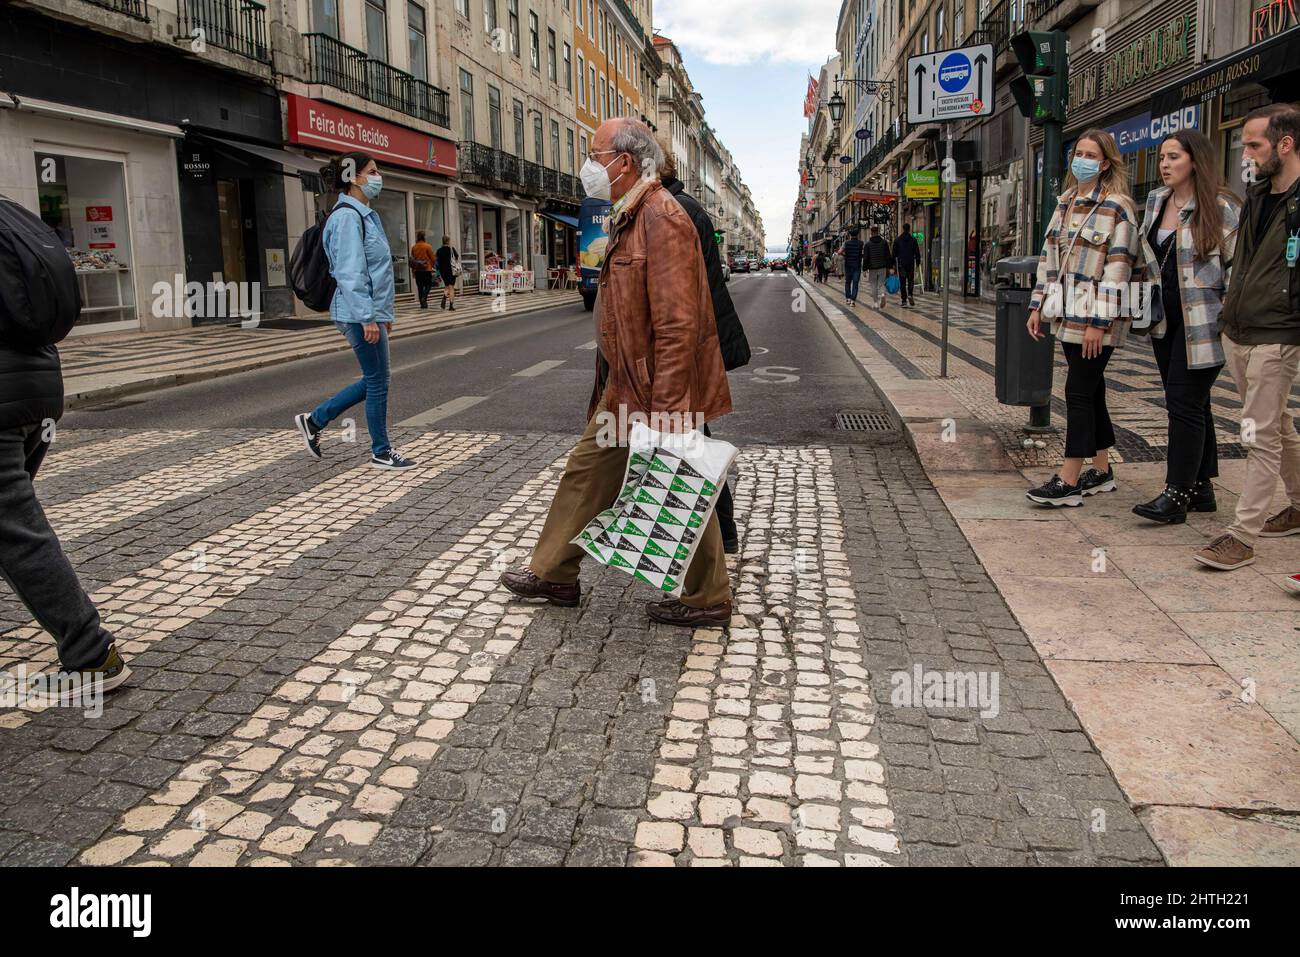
(1188, 235)
(1083, 287)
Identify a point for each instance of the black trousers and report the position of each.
(32, 560)
(423, 283)
(726, 508)
(1087, 422)
(907, 281)
(1193, 454)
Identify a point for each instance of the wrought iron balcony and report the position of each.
(334, 63)
(867, 165)
(235, 25)
(501, 170)
(1006, 19)
(132, 8)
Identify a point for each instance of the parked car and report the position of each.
(742, 265)
(779, 265)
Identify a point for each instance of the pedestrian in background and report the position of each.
(657, 357)
(820, 264)
(423, 262)
(852, 252)
(907, 254)
(361, 263)
(879, 262)
(448, 265)
(32, 561)
(731, 336)
(1085, 266)
(1261, 335)
(1187, 236)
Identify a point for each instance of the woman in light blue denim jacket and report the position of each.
(362, 308)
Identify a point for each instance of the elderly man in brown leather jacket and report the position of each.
(658, 357)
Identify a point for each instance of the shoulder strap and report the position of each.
(360, 215)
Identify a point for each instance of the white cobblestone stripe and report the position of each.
(190, 584)
(59, 462)
(766, 759)
(323, 766)
(135, 496)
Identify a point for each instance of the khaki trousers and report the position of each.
(1264, 376)
(593, 477)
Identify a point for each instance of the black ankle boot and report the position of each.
(1203, 497)
(1169, 507)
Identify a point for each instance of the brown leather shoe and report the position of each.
(1226, 553)
(525, 584)
(1285, 522)
(673, 612)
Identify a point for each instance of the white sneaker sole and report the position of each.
(300, 420)
(390, 468)
(1107, 486)
(1292, 583)
(1211, 563)
(1070, 501)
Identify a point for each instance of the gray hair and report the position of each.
(634, 137)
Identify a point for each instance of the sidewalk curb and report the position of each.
(75, 400)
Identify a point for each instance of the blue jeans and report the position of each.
(851, 277)
(372, 386)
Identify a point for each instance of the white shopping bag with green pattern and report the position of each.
(670, 488)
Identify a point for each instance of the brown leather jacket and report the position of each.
(656, 315)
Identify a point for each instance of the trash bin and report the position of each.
(1022, 365)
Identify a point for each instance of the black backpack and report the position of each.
(309, 267)
(39, 297)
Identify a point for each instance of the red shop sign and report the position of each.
(324, 126)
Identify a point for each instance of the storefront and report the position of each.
(560, 228)
(495, 231)
(418, 169)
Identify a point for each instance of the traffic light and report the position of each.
(717, 236)
(1043, 93)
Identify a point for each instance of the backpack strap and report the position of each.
(355, 210)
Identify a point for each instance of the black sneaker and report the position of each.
(65, 685)
(1056, 493)
(1092, 481)
(391, 459)
(310, 434)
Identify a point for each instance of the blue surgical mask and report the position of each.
(372, 186)
(1085, 170)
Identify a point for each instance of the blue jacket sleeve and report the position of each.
(347, 253)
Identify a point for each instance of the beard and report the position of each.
(1270, 167)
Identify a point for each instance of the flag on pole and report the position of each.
(810, 98)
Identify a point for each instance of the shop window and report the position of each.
(84, 201)
(469, 242)
(513, 246)
(1232, 155)
(391, 207)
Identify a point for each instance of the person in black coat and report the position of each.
(31, 559)
(731, 336)
(907, 254)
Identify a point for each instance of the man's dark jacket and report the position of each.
(731, 337)
(31, 383)
(906, 251)
(1262, 305)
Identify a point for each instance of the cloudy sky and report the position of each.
(750, 62)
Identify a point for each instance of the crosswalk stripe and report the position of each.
(446, 409)
(776, 680)
(407, 672)
(544, 366)
(588, 345)
(190, 584)
(96, 453)
(123, 500)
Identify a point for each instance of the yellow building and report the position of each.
(615, 67)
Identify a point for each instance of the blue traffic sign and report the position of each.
(954, 72)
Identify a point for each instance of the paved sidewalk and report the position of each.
(1186, 680)
(101, 367)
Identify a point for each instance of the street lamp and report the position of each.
(836, 106)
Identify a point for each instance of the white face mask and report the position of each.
(595, 178)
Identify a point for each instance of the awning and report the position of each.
(291, 162)
(570, 221)
(487, 199)
(27, 104)
(870, 196)
(1263, 63)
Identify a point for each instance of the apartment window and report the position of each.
(581, 4)
(555, 144)
(938, 27)
(604, 98)
(520, 146)
(594, 106)
(466, 106)
(602, 30)
(582, 77)
(537, 140)
(620, 105)
(377, 30)
(551, 65)
(591, 19)
(415, 41)
(618, 55)
(609, 99)
(462, 7)
(925, 42)
(489, 17)
(568, 150)
(568, 68)
(534, 42)
(325, 17)
(494, 116)
(514, 27)
(959, 21)
(582, 144)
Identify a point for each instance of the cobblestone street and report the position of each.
(327, 672)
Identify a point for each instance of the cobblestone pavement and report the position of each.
(327, 672)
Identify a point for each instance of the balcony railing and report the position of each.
(505, 170)
(132, 8)
(867, 164)
(235, 25)
(1001, 23)
(334, 63)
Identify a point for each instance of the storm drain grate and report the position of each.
(863, 422)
